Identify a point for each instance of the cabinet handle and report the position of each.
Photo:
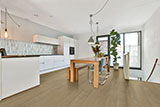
(42, 63)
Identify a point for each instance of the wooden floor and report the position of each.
(56, 91)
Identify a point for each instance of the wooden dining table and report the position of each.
(92, 61)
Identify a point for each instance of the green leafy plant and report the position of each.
(96, 49)
(115, 42)
(102, 54)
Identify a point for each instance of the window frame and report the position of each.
(140, 40)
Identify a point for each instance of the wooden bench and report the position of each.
(77, 68)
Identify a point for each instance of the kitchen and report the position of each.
(31, 59)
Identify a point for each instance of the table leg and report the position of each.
(72, 72)
(96, 75)
(76, 74)
(68, 73)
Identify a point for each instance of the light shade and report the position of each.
(91, 40)
(5, 34)
(97, 43)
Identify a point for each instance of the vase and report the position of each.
(96, 56)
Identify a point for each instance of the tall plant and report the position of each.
(115, 42)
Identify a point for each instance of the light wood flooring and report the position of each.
(56, 91)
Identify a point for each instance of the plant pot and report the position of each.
(116, 66)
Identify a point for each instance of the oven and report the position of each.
(71, 50)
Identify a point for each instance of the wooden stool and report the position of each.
(78, 67)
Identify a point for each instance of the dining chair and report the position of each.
(107, 63)
(101, 68)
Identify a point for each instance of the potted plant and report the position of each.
(96, 50)
(115, 42)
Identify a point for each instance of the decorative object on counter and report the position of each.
(115, 42)
(6, 31)
(3, 52)
(96, 51)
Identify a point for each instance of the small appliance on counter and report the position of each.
(3, 52)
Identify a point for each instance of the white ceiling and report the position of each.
(72, 16)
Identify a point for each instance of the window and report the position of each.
(104, 43)
(130, 42)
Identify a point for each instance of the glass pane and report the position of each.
(104, 45)
(132, 46)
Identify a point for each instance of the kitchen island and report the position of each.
(18, 73)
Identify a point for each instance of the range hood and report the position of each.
(45, 40)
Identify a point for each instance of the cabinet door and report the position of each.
(48, 60)
(66, 47)
(76, 48)
(71, 43)
(19, 74)
(42, 63)
(67, 60)
(58, 61)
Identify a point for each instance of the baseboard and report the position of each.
(52, 70)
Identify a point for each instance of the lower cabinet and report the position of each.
(53, 63)
(18, 74)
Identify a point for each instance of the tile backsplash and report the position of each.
(14, 47)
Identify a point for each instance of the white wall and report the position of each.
(85, 50)
(83, 40)
(27, 29)
(152, 46)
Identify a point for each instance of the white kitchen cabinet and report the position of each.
(18, 74)
(0, 77)
(54, 62)
(72, 57)
(51, 63)
(58, 61)
(71, 42)
(48, 62)
(41, 62)
(46, 40)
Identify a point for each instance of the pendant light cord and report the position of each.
(101, 8)
(91, 22)
(5, 18)
(91, 25)
(6, 13)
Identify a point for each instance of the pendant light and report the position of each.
(97, 42)
(91, 40)
(6, 36)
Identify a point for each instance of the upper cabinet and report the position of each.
(66, 44)
(72, 42)
(45, 40)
